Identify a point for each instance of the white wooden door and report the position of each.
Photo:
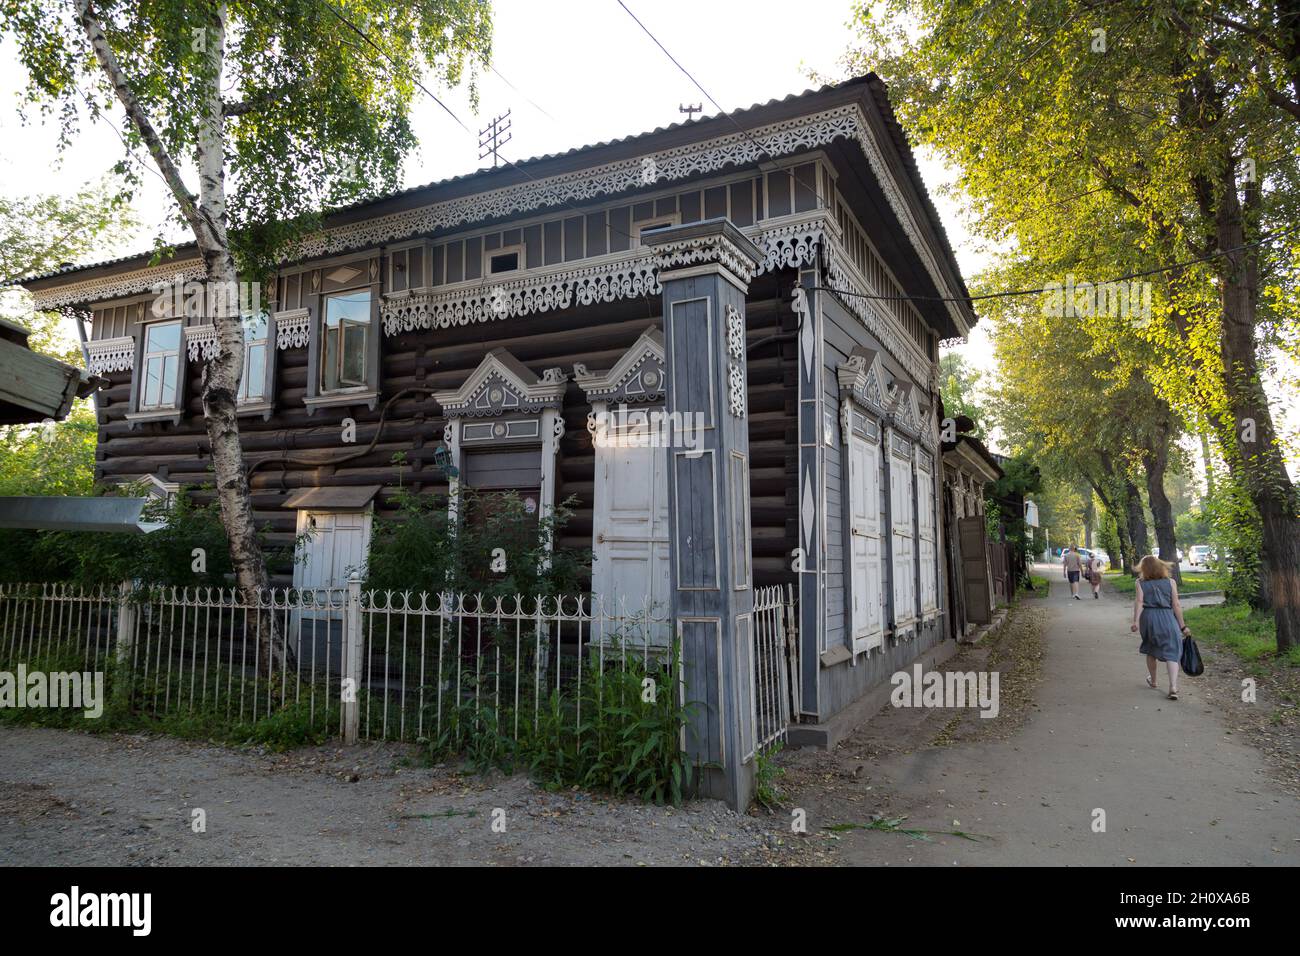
(864, 504)
(630, 538)
(333, 545)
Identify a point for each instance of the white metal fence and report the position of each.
(776, 662)
(369, 664)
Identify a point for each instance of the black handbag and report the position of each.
(1191, 660)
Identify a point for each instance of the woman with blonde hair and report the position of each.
(1159, 616)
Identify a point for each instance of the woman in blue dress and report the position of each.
(1159, 616)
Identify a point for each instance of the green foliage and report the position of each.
(55, 458)
(162, 558)
(1250, 635)
(317, 117)
(1192, 527)
(497, 548)
(958, 387)
(1237, 538)
(616, 729)
(39, 233)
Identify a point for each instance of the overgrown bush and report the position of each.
(495, 547)
(162, 558)
(619, 733)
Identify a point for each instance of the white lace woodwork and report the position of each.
(638, 375)
(292, 328)
(504, 401)
(732, 150)
(110, 355)
(201, 342)
(736, 363)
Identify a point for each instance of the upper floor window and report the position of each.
(252, 387)
(509, 259)
(162, 360)
(346, 329)
(658, 222)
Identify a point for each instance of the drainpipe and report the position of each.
(85, 354)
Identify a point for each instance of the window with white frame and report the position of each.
(160, 363)
(345, 330)
(866, 592)
(507, 259)
(902, 533)
(252, 387)
(925, 535)
(656, 222)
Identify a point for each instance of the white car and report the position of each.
(1198, 556)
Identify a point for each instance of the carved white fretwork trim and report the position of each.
(117, 286)
(201, 342)
(842, 275)
(637, 376)
(701, 250)
(110, 355)
(736, 389)
(738, 149)
(292, 328)
(681, 162)
(735, 332)
(502, 384)
(791, 242)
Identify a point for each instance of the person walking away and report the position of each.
(1094, 576)
(1071, 567)
(1158, 615)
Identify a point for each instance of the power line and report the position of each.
(449, 112)
(365, 36)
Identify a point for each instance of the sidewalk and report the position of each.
(1176, 789)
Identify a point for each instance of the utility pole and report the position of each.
(495, 135)
(690, 110)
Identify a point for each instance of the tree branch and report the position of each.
(94, 30)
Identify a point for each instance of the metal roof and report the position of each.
(77, 514)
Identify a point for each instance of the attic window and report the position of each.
(508, 259)
(645, 225)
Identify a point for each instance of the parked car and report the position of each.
(1199, 555)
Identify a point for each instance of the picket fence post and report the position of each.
(124, 642)
(351, 684)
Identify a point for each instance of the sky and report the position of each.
(571, 73)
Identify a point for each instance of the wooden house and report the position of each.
(492, 318)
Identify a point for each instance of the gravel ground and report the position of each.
(71, 798)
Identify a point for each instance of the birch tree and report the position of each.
(260, 118)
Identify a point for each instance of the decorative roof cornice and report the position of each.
(733, 150)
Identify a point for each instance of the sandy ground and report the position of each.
(1180, 782)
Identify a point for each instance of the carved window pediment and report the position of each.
(503, 385)
(638, 375)
(860, 375)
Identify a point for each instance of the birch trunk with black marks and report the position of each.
(206, 216)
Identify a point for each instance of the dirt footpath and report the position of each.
(70, 798)
(1177, 785)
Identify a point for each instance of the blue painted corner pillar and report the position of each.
(704, 269)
